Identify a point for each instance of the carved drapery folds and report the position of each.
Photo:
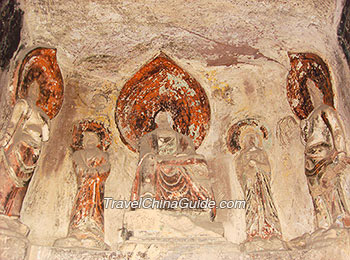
(91, 165)
(254, 174)
(38, 98)
(169, 168)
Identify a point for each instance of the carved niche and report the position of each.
(310, 94)
(38, 98)
(163, 113)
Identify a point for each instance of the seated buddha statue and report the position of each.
(169, 168)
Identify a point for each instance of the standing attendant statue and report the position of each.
(326, 162)
(20, 149)
(254, 174)
(92, 167)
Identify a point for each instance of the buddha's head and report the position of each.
(163, 120)
(33, 92)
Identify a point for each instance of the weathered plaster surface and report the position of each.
(236, 50)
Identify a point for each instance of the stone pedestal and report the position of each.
(166, 225)
(190, 251)
(13, 242)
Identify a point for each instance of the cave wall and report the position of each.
(236, 50)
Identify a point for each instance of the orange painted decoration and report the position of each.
(307, 66)
(88, 210)
(18, 159)
(40, 65)
(161, 85)
(89, 199)
(94, 126)
(172, 181)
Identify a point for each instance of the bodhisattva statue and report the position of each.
(254, 174)
(326, 162)
(91, 165)
(20, 149)
(169, 168)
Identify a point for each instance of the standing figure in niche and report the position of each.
(169, 167)
(254, 174)
(20, 149)
(92, 167)
(326, 162)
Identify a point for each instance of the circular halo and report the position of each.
(97, 127)
(235, 131)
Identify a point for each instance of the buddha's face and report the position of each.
(163, 120)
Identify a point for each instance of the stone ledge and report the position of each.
(176, 250)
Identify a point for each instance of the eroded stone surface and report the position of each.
(13, 242)
(148, 224)
(238, 53)
(188, 250)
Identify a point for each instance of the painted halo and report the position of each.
(40, 65)
(307, 66)
(97, 127)
(161, 85)
(235, 131)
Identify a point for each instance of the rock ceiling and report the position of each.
(99, 37)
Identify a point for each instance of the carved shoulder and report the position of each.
(78, 157)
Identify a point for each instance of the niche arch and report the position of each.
(306, 66)
(40, 65)
(161, 85)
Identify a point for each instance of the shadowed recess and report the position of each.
(306, 66)
(40, 65)
(161, 85)
(10, 30)
(344, 30)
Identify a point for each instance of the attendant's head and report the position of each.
(249, 138)
(315, 94)
(90, 140)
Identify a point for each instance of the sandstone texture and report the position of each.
(238, 52)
